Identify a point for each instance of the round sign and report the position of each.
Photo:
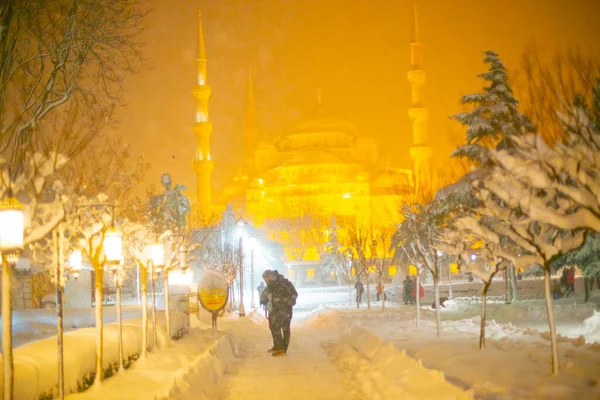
(213, 291)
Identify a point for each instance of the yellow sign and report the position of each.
(310, 273)
(412, 270)
(213, 290)
(454, 268)
(353, 271)
(392, 270)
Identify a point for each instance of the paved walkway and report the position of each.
(305, 372)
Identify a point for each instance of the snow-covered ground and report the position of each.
(341, 352)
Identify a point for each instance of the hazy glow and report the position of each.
(113, 246)
(11, 225)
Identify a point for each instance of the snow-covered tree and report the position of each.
(41, 216)
(494, 119)
(415, 237)
(335, 255)
(516, 202)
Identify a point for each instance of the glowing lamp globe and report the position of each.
(158, 257)
(113, 247)
(11, 228)
(75, 261)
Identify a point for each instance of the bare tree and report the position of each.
(56, 51)
(415, 236)
(381, 256)
(547, 85)
(299, 223)
(358, 236)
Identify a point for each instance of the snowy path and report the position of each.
(305, 372)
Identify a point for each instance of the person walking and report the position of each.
(283, 298)
(359, 291)
(380, 288)
(260, 290)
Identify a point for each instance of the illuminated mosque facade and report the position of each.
(321, 163)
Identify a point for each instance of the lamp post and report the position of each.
(241, 226)
(74, 265)
(113, 249)
(11, 245)
(156, 264)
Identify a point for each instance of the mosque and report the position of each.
(319, 166)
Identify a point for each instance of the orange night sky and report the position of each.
(357, 51)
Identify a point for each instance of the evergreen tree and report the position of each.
(494, 118)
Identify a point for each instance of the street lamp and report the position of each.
(253, 244)
(241, 227)
(157, 261)
(181, 253)
(75, 261)
(12, 225)
(113, 249)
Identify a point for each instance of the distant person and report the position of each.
(359, 292)
(407, 289)
(571, 281)
(380, 293)
(556, 290)
(563, 280)
(260, 289)
(421, 292)
(283, 299)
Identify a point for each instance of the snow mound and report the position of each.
(379, 370)
(590, 328)
(324, 317)
(258, 317)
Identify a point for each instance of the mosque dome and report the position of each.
(321, 129)
(322, 120)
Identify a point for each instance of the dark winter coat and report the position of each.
(359, 287)
(283, 293)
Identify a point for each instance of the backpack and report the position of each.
(292, 295)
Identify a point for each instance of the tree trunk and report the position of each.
(507, 286)
(7, 354)
(438, 320)
(551, 323)
(232, 288)
(368, 294)
(513, 284)
(167, 305)
(59, 309)
(99, 327)
(418, 299)
(486, 286)
(154, 336)
(382, 295)
(144, 282)
(119, 327)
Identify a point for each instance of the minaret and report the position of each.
(203, 163)
(251, 130)
(420, 152)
